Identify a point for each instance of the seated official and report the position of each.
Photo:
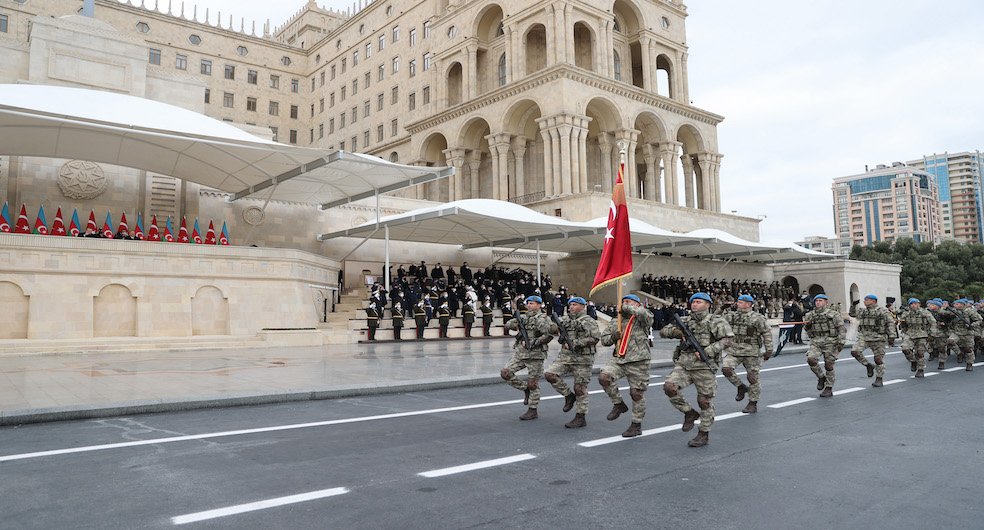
(123, 233)
(91, 232)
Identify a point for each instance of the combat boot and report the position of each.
(530, 415)
(577, 422)
(526, 397)
(700, 440)
(970, 367)
(821, 382)
(689, 418)
(635, 429)
(742, 389)
(877, 383)
(827, 392)
(920, 374)
(617, 411)
(751, 408)
(941, 366)
(912, 366)
(569, 402)
(960, 357)
(871, 369)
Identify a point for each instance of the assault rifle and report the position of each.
(691, 340)
(522, 329)
(959, 317)
(565, 339)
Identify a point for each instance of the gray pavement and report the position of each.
(54, 387)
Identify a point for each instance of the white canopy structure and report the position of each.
(73, 123)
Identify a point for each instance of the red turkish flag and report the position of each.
(153, 233)
(58, 225)
(23, 226)
(183, 232)
(616, 255)
(91, 224)
(210, 235)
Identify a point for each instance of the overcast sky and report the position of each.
(810, 91)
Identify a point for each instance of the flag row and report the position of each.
(74, 228)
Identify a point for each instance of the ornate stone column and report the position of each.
(548, 188)
(651, 153)
(688, 180)
(564, 130)
(647, 64)
(456, 158)
(669, 152)
(500, 165)
(682, 84)
(582, 153)
(474, 167)
(630, 177)
(509, 54)
(472, 92)
(605, 145)
(519, 172)
(716, 180)
(494, 150)
(704, 162)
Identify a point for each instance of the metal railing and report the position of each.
(528, 198)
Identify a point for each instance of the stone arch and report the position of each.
(16, 306)
(584, 44)
(855, 292)
(527, 174)
(487, 23)
(652, 135)
(602, 153)
(455, 83)
(664, 76)
(691, 181)
(815, 289)
(628, 17)
(535, 44)
(209, 312)
(791, 282)
(472, 138)
(114, 312)
(432, 153)
(394, 157)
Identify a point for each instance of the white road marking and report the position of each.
(790, 403)
(258, 505)
(848, 390)
(894, 381)
(954, 369)
(658, 430)
(931, 374)
(476, 465)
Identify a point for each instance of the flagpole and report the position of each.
(622, 149)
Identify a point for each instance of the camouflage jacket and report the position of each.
(825, 323)
(751, 331)
(918, 323)
(637, 349)
(711, 331)
(540, 330)
(875, 323)
(958, 326)
(584, 334)
(941, 329)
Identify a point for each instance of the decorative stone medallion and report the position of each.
(253, 215)
(81, 180)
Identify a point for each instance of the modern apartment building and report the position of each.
(886, 203)
(958, 178)
(828, 245)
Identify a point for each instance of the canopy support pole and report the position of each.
(538, 264)
(386, 266)
(262, 215)
(510, 253)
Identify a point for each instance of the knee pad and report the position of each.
(580, 390)
(829, 366)
(879, 360)
(703, 402)
(636, 394)
(965, 350)
(506, 374)
(551, 377)
(670, 389)
(907, 352)
(752, 379)
(728, 371)
(533, 383)
(812, 362)
(604, 379)
(857, 355)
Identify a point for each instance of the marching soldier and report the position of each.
(420, 318)
(918, 324)
(876, 327)
(629, 360)
(372, 321)
(965, 324)
(487, 315)
(939, 336)
(576, 358)
(714, 335)
(825, 326)
(443, 319)
(529, 355)
(397, 323)
(752, 333)
(468, 317)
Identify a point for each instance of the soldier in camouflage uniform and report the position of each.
(979, 338)
(965, 325)
(752, 334)
(529, 356)
(825, 327)
(876, 327)
(584, 334)
(629, 360)
(939, 336)
(714, 335)
(917, 324)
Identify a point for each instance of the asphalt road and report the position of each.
(907, 455)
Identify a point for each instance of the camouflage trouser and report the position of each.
(915, 350)
(966, 345)
(830, 349)
(534, 369)
(752, 364)
(877, 347)
(706, 384)
(637, 374)
(582, 374)
(940, 346)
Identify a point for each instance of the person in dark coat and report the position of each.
(487, 315)
(466, 273)
(468, 317)
(420, 318)
(372, 322)
(397, 323)
(437, 273)
(443, 319)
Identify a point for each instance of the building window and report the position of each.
(321, 105)
(322, 81)
(312, 110)
(427, 61)
(274, 108)
(311, 140)
(343, 94)
(425, 95)
(293, 136)
(379, 134)
(502, 70)
(355, 86)
(427, 29)
(251, 104)
(379, 102)
(617, 60)
(331, 100)
(355, 143)
(382, 42)
(181, 62)
(155, 56)
(293, 112)
(275, 81)
(452, 32)
(412, 101)
(275, 132)
(230, 71)
(228, 100)
(368, 50)
(194, 39)
(285, 60)
(312, 84)
(412, 67)
(394, 127)
(295, 86)
(341, 145)
(206, 67)
(380, 72)
(396, 34)
(355, 114)
(367, 79)
(365, 138)
(365, 109)
(341, 120)
(331, 126)
(355, 58)
(142, 27)
(413, 36)
(332, 72)
(251, 76)
(242, 51)
(208, 96)
(396, 96)
(344, 65)
(396, 64)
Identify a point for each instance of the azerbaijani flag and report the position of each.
(73, 227)
(196, 234)
(168, 231)
(224, 235)
(107, 229)
(5, 218)
(41, 223)
(138, 228)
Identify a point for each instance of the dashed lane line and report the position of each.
(785, 404)
(848, 390)
(658, 430)
(255, 506)
(476, 465)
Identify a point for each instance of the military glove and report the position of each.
(616, 335)
(768, 355)
(891, 342)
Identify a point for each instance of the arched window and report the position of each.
(499, 31)
(502, 70)
(618, 67)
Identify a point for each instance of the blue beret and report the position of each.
(746, 298)
(577, 300)
(820, 297)
(701, 296)
(913, 301)
(870, 297)
(935, 301)
(632, 297)
(534, 298)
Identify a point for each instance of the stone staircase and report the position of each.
(128, 344)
